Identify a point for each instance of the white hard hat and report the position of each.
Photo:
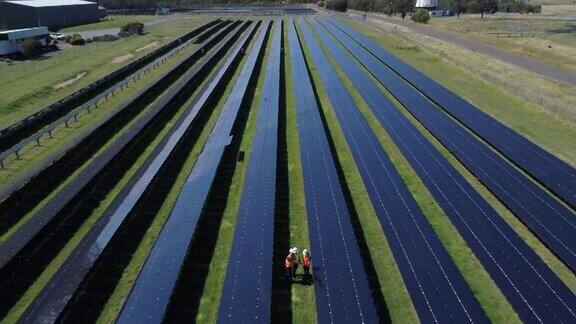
(292, 250)
(295, 250)
(305, 252)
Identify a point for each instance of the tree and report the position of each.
(458, 6)
(403, 7)
(421, 16)
(31, 47)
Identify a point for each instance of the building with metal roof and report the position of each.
(54, 14)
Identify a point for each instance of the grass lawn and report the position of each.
(528, 120)
(552, 48)
(112, 22)
(32, 84)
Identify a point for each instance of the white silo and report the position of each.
(428, 4)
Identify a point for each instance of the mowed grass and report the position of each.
(398, 302)
(552, 134)
(111, 22)
(303, 302)
(26, 93)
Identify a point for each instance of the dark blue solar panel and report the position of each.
(151, 293)
(535, 292)
(340, 284)
(246, 295)
(551, 221)
(547, 169)
(437, 289)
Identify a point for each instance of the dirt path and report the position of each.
(147, 47)
(523, 62)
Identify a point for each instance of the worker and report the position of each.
(297, 260)
(289, 265)
(307, 258)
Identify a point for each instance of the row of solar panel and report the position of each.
(436, 287)
(152, 291)
(246, 295)
(531, 287)
(340, 283)
(549, 170)
(552, 222)
(52, 300)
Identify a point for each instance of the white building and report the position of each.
(431, 6)
(10, 40)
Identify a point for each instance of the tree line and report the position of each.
(403, 7)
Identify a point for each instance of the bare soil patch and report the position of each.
(123, 58)
(69, 82)
(147, 47)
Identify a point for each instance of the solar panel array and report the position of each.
(549, 170)
(52, 300)
(340, 284)
(150, 295)
(552, 222)
(436, 287)
(246, 295)
(534, 291)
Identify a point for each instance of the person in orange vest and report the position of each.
(307, 258)
(289, 265)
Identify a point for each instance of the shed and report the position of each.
(53, 14)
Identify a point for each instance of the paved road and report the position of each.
(523, 62)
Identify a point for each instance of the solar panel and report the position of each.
(534, 291)
(551, 221)
(436, 287)
(550, 171)
(340, 284)
(153, 288)
(246, 295)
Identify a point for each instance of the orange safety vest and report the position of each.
(289, 261)
(307, 261)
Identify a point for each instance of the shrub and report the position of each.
(421, 16)
(133, 28)
(31, 47)
(88, 40)
(76, 40)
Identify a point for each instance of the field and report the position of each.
(178, 198)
